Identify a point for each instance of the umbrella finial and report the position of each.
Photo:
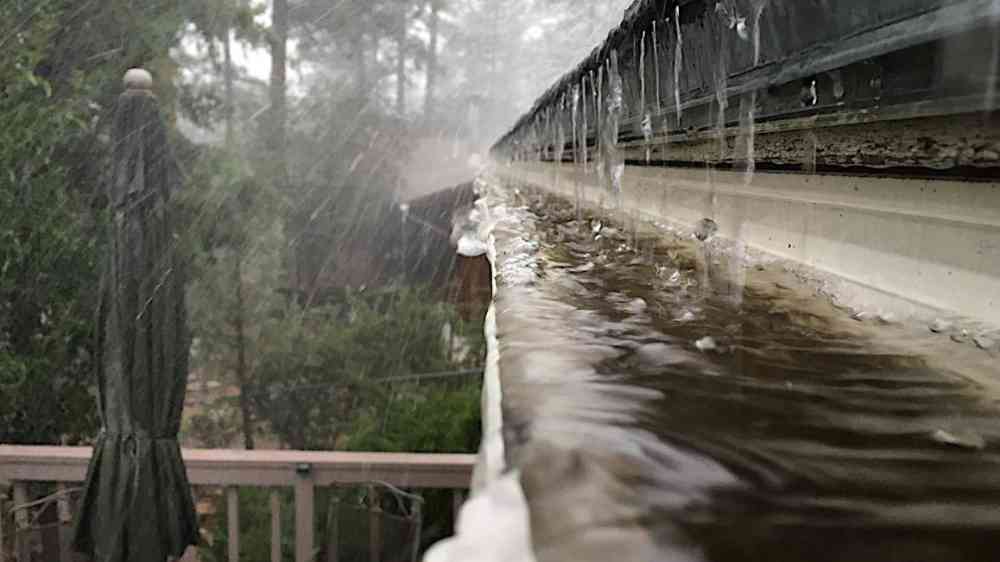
(138, 79)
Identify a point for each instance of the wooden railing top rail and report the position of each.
(225, 467)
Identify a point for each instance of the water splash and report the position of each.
(495, 515)
(733, 20)
(647, 135)
(469, 233)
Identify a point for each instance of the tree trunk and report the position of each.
(242, 376)
(230, 109)
(401, 60)
(432, 62)
(276, 136)
(361, 62)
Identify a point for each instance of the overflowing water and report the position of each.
(671, 397)
(655, 417)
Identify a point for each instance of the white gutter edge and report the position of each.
(493, 525)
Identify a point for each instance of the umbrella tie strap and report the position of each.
(134, 436)
(138, 434)
(130, 440)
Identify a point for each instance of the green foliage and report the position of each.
(431, 417)
(320, 371)
(47, 251)
(236, 268)
(423, 419)
(59, 78)
(313, 372)
(317, 372)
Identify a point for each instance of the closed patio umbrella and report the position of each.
(137, 502)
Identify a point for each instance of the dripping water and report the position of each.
(601, 126)
(560, 133)
(751, 98)
(584, 129)
(614, 158)
(721, 99)
(647, 119)
(656, 66)
(811, 157)
(678, 61)
(577, 149)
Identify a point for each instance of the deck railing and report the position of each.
(302, 471)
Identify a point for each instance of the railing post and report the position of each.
(375, 526)
(275, 525)
(20, 521)
(65, 523)
(24, 465)
(418, 517)
(233, 517)
(333, 528)
(3, 517)
(20, 498)
(304, 513)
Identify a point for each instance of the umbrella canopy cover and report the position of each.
(137, 502)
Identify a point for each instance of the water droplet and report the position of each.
(965, 439)
(706, 344)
